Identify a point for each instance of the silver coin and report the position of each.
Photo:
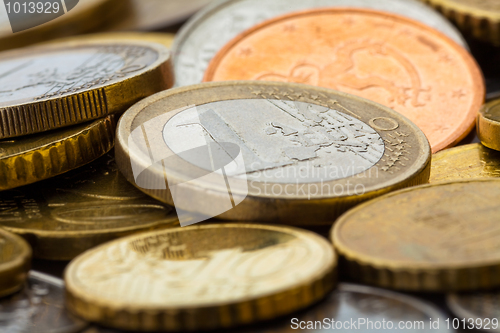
(61, 71)
(364, 309)
(480, 310)
(207, 32)
(38, 308)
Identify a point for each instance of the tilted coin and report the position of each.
(278, 152)
(37, 157)
(197, 43)
(53, 86)
(15, 257)
(158, 14)
(488, 125)
(203, 277)
(481, 18)
(465, 162)
(480, 310)
(38, 308)
(166, 39)
(74, 17)
(386, 58)
(439, 237)
(74, 212)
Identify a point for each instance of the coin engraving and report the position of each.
(61, 73)
(281, 134)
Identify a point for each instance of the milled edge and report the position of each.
(58, 157)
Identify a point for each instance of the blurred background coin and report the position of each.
(268, 151)
(166, 39)
(197, 43)
(72, 213)
(481, 311)
(465, 162)
(148, 15)
(433, 238)
(205, 277)
(38, 308)
(14, 262)
(53, 86)
(386, 58)
(86, 16)
(488, 125)
(479, 18)
(37, 157)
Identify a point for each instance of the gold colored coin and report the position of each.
(268, 151)
(58, 85)
(37, 157)
(200, 277)
(435, 238)
(465, 162)
(479, 18)
(488, 125)
(166, 39)
(69, 214)
(86, 16)
(15, 261)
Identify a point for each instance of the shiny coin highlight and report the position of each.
(205, 277)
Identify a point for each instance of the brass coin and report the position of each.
(267, 151)
(437, 238)
(166, 39)
(57, 85)
(479, 18)
(37, 157)
(488, 125)
(74, 212)
(15, 259)
(86, 16)
(202, 277)
(465, 162)
(38, 308)
(480, 310)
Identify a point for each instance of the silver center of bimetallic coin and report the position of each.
(199, 42)
(60, 73)
(280, 141)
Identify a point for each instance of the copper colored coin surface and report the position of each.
(389, 59)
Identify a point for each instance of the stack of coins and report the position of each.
(273, 166)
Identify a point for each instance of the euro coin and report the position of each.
(488, 125)
(480, 310)
(197, 43)
(14, 262)
(203, 277)
(58, 85)
(434, 238)
(276, 152)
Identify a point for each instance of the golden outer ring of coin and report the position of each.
(13, 273)
(166, 39)
(279, 209)
(418, 277)
(83, 18)
(57, 112)
(217, 315)
(482, 24)
(66, 245)
(80, 145)
(465, 162)
(488, 129)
